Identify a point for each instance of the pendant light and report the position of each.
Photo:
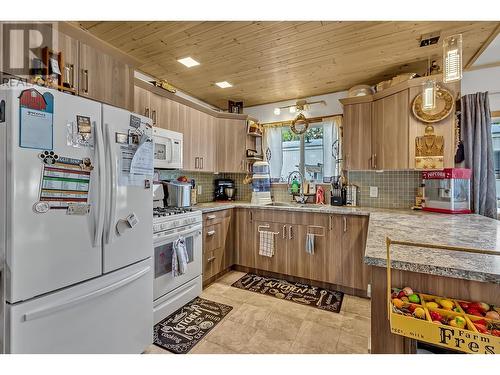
(452, 58)
(429, 89)
(429, 95)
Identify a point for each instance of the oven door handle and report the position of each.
(194, 231)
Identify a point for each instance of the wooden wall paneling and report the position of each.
(445, 128)
(382, 340)
(259, 79)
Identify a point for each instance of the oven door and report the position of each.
(164, 280)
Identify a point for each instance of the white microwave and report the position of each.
(168, 148)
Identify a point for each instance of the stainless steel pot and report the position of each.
(179, 194)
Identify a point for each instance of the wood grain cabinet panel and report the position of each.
(218, 242)
(142, 104)
(70, 55)
(357, 130)
(355, 273)
(104, 78)
(231, 145)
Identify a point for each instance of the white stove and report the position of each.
(169, 223)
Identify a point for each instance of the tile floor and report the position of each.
(260, 324)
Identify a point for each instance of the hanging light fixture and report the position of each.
(429, 95)
(452, 58)
(429, 91)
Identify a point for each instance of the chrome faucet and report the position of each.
(302, 196)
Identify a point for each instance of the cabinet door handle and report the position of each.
(146, 111)
(211, 217)
(201, 163)
(196, 163)
(85, 73)
(284, 230)
(290, 233)
(210, 233)
(251, 216)
(374, 161)
(211, 259)
(153, 116)
(330, 222)
(345, 224)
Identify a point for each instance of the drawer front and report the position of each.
(215, 217)
(212, 237)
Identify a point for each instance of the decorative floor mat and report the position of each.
(183, 329)
(304, 294)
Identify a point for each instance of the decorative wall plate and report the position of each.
(444, 106)
(299, 124)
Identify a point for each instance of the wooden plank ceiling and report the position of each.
(274, 61)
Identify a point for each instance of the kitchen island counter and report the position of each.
(471, 231)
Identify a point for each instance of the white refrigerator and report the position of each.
(75, 224)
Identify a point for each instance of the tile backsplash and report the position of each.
(396, 189)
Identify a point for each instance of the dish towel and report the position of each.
(266, 247)
(310, 243)
(179, 257)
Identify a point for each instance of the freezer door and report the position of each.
(51, 250)
(109, 314)
(128, 230)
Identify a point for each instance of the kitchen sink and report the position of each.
(285, 204)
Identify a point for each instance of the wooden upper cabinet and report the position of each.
(357, 135)
(104, 78)
(69, 48)
(141, 101)
(390, 146)
(231, 145)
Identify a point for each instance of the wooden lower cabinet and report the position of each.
(339, 245)
(218, 243)
(355, 273)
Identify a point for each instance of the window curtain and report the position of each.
(273, 151)
(478, 149)
(331, 147)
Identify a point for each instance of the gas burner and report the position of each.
(169, 211)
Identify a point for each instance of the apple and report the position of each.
(435, 315)
(464, 305)
(492, 315)
(485, 306)
(481, 328)
(401, 294)
(477, 306)
(407, 291)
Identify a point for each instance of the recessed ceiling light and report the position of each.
(188, 61)
(223, 84)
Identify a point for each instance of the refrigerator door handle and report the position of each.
(99, 147)
(81, 299)
(112, 167)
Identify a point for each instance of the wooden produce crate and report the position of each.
(463, 337)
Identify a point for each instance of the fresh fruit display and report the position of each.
(489, 327)
(480, 309)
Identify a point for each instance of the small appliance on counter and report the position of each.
(261, 183)
(447, 190)
(179, 194)
(225, 189)
(351, 198)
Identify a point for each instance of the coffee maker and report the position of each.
(224, 190)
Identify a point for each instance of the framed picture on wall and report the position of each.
(235, 107)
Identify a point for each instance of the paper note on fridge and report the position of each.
(142, 162)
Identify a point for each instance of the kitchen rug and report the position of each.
(183, 329)
(304, 294)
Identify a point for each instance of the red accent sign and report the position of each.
(32, 99)
(447, 174)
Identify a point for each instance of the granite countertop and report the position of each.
(472, 231)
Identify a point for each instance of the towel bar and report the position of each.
(265, 226)
(316, 226)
